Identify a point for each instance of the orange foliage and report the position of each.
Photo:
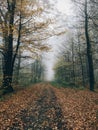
(80, 108)
(9, 108)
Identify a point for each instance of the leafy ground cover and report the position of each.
(44, 107)
(80, 108)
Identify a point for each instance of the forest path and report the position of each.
(44, 107)
(42, 114)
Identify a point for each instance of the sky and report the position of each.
(65, 10)
(64, 6)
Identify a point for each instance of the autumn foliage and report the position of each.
(55, 108)
(80, 108)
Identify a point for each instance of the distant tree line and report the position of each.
(79, 62)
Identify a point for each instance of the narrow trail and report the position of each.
(44, 107)
(43, 114)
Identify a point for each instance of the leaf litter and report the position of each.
(43, 107)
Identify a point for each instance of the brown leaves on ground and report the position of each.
(10, 107)
(44, 107)
(35, 108)
(80, 108)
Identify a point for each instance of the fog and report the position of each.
(64, 11)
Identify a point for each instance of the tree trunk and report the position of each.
(18, 67)
(73, 64)
(7, 61)
(8, 48)
(81, 62)
(89, 51)
(7, 73)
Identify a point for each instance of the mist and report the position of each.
(63, 15)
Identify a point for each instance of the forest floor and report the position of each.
(44, 107)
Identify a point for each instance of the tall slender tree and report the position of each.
(89, 48)
(86, 17)
(7, 24)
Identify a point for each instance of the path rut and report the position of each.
(44, 114)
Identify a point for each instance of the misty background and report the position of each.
(64, 12)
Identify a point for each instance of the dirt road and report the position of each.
(43, 114)
(44, 107)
